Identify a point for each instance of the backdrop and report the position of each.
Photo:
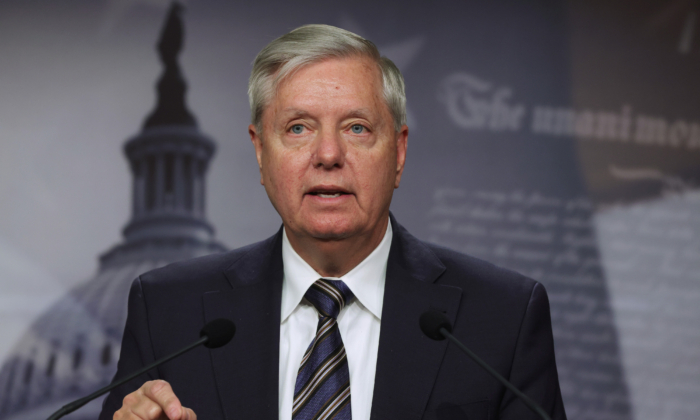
(557, 138)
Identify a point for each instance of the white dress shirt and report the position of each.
(358, 323)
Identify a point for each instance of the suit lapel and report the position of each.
(408, 362)
(247, 369)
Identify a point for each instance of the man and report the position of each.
(330, 136)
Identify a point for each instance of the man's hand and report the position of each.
(155, 400)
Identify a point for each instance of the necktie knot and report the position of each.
(329, 297)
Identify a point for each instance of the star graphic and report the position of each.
(669, 16)
(402, 53)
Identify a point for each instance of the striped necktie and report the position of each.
(322, 389)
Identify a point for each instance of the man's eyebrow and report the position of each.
(365, 113)
(360, 113)
(295, 113)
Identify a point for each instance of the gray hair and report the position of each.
(310, 44)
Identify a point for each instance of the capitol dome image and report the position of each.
(72, 349)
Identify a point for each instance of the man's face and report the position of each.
(329, 156)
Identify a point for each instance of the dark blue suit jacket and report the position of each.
(501, 315)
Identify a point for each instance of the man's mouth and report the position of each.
(327, 192)
(326, 195)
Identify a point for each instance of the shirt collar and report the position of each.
(366, 280)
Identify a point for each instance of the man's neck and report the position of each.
(335, 258)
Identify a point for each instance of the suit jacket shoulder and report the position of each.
(167, 308)
(473, 272)
(501, 315)
(198, 272)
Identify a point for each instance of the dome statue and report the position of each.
(72, 349)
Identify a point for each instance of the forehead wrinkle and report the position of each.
(325, 88)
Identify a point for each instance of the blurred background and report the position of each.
(557, 138)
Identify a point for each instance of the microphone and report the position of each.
(436, 326)
(215, 334)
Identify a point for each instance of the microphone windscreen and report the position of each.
(220, 332)
(432, 321)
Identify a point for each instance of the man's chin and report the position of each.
(330, 234)
(331, 229)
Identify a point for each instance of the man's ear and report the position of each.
(401, 146)
(256, 138)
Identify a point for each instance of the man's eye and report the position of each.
(357, 128)
(297, 129)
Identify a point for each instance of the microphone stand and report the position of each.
(531, 404)
(69, 408)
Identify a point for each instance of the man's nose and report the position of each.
(330, 150)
